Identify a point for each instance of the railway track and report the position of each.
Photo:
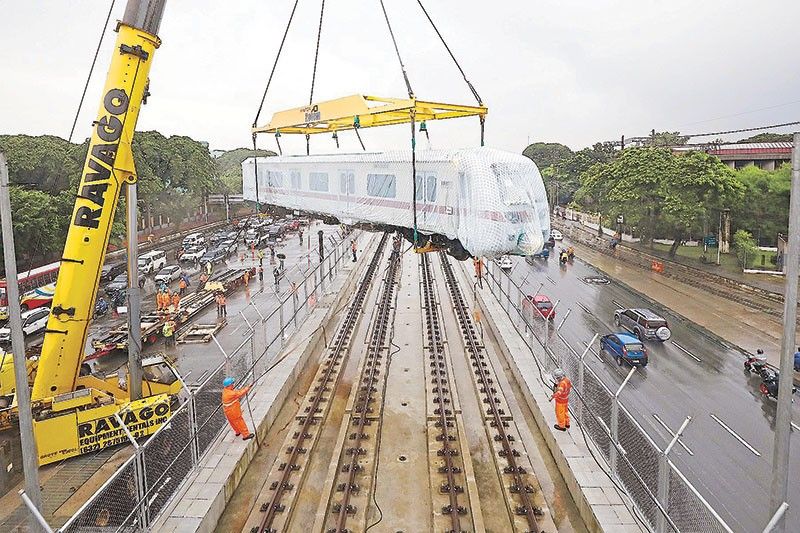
(456, 509)
(288, 473)
(514, 467)
(353, 481)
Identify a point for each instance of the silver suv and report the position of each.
(643, 323)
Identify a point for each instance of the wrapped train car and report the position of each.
(473, 201)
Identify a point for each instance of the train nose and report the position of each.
(530, 241)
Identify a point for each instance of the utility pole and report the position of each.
(134, 300)
(30, 459)
(783, 419)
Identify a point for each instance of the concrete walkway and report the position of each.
(739, 325)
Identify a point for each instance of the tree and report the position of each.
(229, 168)
(45, 162)
(768, 138)
(765, 213)
(564, 175)
(658, 192)
(746, 247)
(547, 154)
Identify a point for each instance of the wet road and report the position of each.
(693, 374)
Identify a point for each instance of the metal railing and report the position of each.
(663, 497)
(138, 492)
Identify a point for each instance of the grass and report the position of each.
(728, 262)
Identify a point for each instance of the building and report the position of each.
(766, 156)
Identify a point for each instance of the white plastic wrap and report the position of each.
(492, 202)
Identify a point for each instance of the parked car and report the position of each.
(193, 254)
(541, 306)
(217, 237)
(33, 321)
(251, 237)
(643, 323)
(506, 263)
(556, 235)
(121, 282)
(217, 255)
(624, 347)
(109, 272)
(229, 246)
(275, 231)
(168, 274)
(193, 239)
(152, 261)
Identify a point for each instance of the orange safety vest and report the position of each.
(561, 395)
(221, 299)
(230, 401)
(176, 299)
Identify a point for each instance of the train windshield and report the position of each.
(511, 184)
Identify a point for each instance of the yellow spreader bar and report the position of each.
(359, 111)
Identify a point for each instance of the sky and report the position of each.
(574, 72)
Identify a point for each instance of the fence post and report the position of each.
(192, 423)
(663, 478)
(280, 317)
(294, 303)
(614, 448)
(139, 476)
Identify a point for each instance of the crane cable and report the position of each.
(264, 97)
(412, 114)
(458, 65)
(314, 72)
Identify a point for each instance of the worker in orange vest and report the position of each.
(233, 410)
(561, 389)
(182, 286)
(176, 300)
(478, 263)
(159, 301)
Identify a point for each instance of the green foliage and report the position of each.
(746, 247)
(766, 211)
(667, 138)
(659, 193)
(768, 138)
(563, 174)
(229, 168)
(45, 162)
(547, 154)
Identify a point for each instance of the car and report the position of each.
(33, 321)
(121, 282)
(217, 237)
(168, 274)
(556, 235)
(217, 255)
(242, 223)
(109, 272)
(193, 239)
(275, 231)
(506, 263)
(624, 347)
(542, 305)
(229, 246)
(152, 262)
(193, 254)
(251, 237)
(643, 323)
(231, 236)
(544, 253)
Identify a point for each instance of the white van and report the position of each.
(152, 261)
(193, 239)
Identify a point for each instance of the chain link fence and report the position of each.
(664, 498)
(134, 496)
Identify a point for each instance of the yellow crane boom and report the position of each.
(109, 164)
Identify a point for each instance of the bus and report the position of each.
(35, 284)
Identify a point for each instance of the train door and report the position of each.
(426, 196)
(347, 190)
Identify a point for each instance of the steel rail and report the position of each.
(442, 397)
(364, 397)
(486, 382)
(335, 353)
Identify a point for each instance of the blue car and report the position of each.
(543, 254)
(624, 347)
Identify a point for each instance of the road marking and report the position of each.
(586, 309)
(617, 304)
(672, 434)
(551, 280)
(795, 426)
(687, 352)
(736, 436)
(236, 329)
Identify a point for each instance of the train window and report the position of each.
(420, 183)
(318, 181)
(430, 188)
(274, 179)
(294, 175)
(347, 183)
(463, 191)
(382, 185)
